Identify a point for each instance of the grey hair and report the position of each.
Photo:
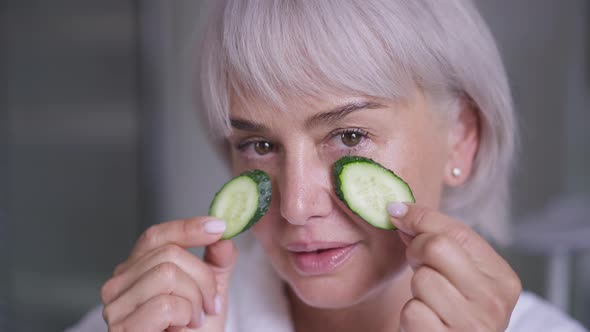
(380, 48)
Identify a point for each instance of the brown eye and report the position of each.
(351, 139)
(262, 147)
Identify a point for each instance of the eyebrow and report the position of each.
(340, 112)
(335, 114)
(247, 125)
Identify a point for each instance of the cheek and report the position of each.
(420, 161)
(263, 229)
(386, 252)
(268, 229)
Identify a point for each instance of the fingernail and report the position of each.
(202, 319)
(397, 209)
(217, 304)
(214, 226)
(197, 321)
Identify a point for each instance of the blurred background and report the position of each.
(99, 138)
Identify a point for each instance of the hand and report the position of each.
(459, 283)
(163, 287)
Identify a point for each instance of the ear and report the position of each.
(464, 134)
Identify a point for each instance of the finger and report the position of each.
(163, 279)
(413, 219)
(198, 270)
(444, 255)
(180, 329)
(434, 290)
(416, 316)
(222, 257)
(406, 239)
(486, 313)
(502, 281)
(156, 315)
(194, 232)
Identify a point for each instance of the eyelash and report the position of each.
(339, 132)
(361, 132)
(242, 146)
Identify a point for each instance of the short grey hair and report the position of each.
(380, 48)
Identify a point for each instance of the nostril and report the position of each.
(303, 207)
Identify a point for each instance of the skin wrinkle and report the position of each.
(324, 117)
(406, 137)
(340, 112)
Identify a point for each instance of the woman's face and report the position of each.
(327, 255)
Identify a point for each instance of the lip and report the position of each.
(320, 258)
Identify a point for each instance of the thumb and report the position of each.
(222, 256)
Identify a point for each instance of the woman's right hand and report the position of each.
(163, 287)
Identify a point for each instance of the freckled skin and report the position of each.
(405, 137)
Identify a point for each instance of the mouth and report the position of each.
(320, 258)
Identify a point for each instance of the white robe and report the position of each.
(257, 304)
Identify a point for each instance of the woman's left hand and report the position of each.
(460, 283)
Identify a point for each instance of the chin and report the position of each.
(344, 289)
(329, 292)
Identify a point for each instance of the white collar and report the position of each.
(258, 303)
(257, 300)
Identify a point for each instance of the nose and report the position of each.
(304, 187)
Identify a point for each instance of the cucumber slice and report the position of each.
(242, 201)
(366, 187)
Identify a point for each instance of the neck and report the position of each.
(378, 312)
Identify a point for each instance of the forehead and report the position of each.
(304, 108)
(307, 114)
(254, 105)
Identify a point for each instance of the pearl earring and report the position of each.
(456, 171)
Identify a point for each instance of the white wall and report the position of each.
(545, 47)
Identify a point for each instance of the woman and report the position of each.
(292, 86)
